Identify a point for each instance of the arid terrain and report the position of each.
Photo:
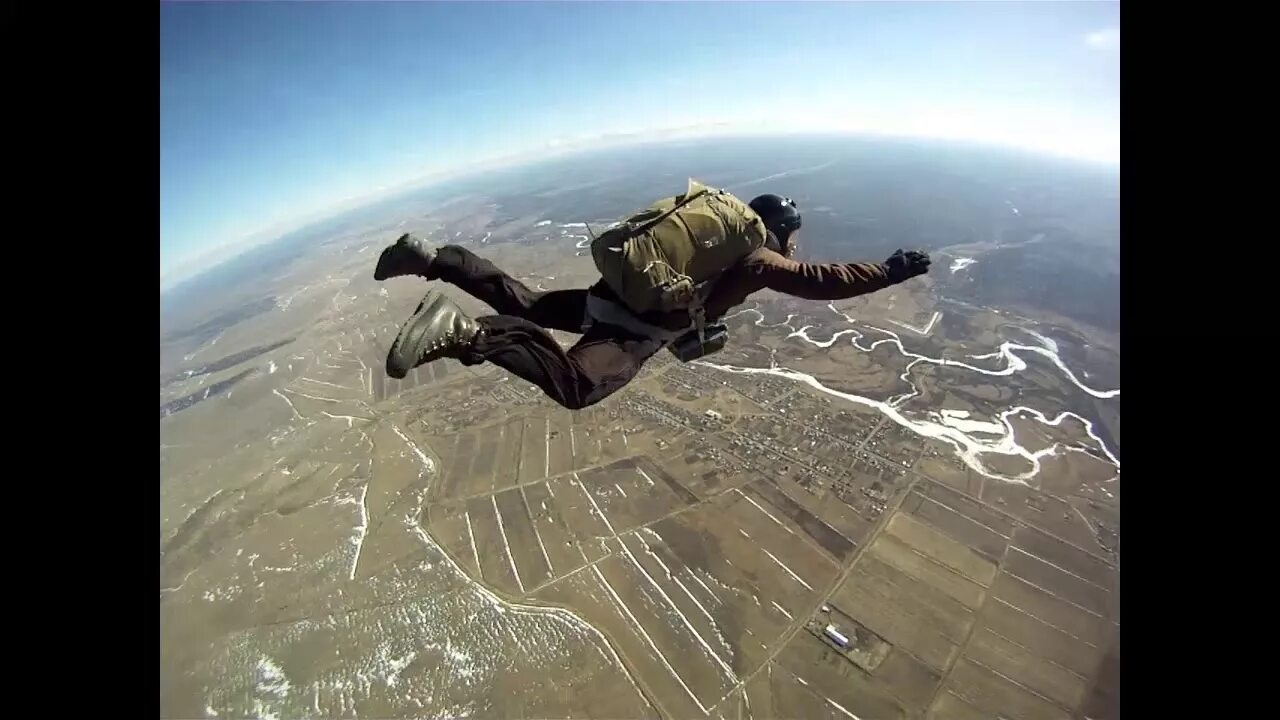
(904, 505)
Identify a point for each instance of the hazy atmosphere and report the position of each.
(272, 113)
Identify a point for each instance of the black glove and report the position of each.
(906, 265)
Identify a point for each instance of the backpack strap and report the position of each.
(599, 309)
(698, 314)
(633, 229)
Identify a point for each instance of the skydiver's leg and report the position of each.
(604, 359)
(553, 309)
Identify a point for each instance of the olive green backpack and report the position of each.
(663, 259)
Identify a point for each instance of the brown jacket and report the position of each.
(766, 269)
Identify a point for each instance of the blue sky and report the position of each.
(272, 114)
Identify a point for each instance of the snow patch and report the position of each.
(956, 419)
(271, 679)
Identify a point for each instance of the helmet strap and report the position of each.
(783, 238)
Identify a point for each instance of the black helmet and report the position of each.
(779, 214)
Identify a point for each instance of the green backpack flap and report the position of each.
(663, 258)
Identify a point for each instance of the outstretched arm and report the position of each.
(765, 268)
(815, 281)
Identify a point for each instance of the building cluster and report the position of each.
(896, 446)
(660, 411)
(765, 390)
(455, 411)
(690, 376)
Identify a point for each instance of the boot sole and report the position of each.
(400, 362)
(398, 254)
(380, 271)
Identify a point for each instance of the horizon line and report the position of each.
(554, 150)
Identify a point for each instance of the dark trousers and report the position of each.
(604, 359)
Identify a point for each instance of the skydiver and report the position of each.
(615, 342)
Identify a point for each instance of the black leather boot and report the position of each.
(438, 328)
(408, 255)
